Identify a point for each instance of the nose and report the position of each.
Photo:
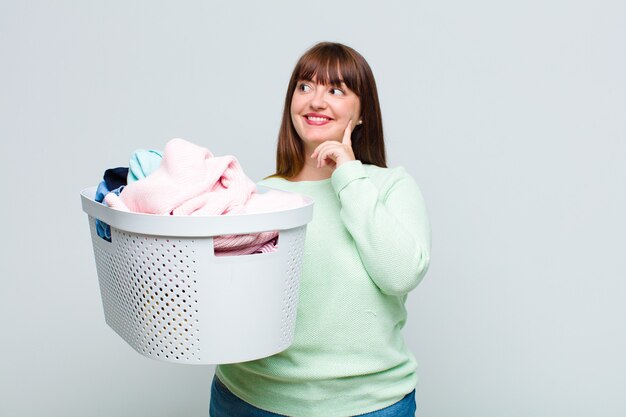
(318, 100)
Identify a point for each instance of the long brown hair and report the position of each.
(331, 63)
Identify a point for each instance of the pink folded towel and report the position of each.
(191, 181)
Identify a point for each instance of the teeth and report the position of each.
(317, 119)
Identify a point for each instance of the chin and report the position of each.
(319, 138)
(315, 139)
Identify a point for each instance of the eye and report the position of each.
(337, 91)
(304, 87)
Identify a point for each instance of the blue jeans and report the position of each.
(226, 404)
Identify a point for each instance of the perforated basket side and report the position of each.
(149, 292)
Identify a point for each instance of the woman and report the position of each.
(367, 246)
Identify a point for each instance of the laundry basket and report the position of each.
(170, 298)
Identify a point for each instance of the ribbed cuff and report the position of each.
(347, 173)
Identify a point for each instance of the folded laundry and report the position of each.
(143, 163)
(269, 246)
(191, 181)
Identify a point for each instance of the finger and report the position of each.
(321, 157)
(322, 160)
(326, 156)
(323, 147)
(347, 133)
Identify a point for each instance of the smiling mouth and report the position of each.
(317, 120)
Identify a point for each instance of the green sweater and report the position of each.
(367, 246)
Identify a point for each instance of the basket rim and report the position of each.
(199, 226)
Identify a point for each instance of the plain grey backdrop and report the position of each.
(511, 116)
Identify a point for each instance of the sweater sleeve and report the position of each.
(389, 225)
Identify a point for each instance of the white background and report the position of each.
(511, 116)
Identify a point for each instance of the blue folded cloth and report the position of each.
(114, 181)
(142, 163)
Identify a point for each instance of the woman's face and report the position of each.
(321, 112)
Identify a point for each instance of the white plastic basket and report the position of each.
(170, 298)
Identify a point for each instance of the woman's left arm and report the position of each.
(389, 225)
